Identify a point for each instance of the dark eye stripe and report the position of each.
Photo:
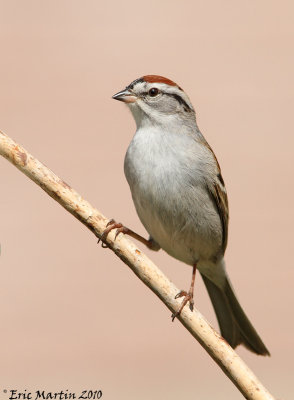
(186, 106)
(180, 100)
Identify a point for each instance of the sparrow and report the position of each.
(180, 197)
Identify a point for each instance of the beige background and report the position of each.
(72, 315)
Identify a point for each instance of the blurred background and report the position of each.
(72, 315)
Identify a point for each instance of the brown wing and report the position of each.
(219, 196)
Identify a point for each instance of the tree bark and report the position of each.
(232, 365)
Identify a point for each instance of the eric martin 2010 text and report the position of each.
(62, 395)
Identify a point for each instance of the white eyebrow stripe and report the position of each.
(142, 87)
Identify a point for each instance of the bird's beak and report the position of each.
(126, 96)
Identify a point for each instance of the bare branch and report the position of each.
(141, 265)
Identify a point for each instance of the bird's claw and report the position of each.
(188, 297)
(112, 224)
(182, 293)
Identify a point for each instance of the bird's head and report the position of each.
(156, 100)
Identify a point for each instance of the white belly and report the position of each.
(170, 197)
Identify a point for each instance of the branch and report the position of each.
(141, 265)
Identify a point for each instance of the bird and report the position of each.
(180, 197)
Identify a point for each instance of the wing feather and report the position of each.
(219, 196)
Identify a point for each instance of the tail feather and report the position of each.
(234, 325)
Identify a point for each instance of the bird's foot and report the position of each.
(112, 224)
(188, 297)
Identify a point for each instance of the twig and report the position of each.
(141, 265)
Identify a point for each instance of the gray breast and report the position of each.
(170, 196)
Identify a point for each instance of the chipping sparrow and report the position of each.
(180, 197)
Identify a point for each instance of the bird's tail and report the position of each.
(234, 325)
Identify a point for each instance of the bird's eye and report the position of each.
(153, 92)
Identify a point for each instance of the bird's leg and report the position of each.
(112, 224)
(188, 297)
